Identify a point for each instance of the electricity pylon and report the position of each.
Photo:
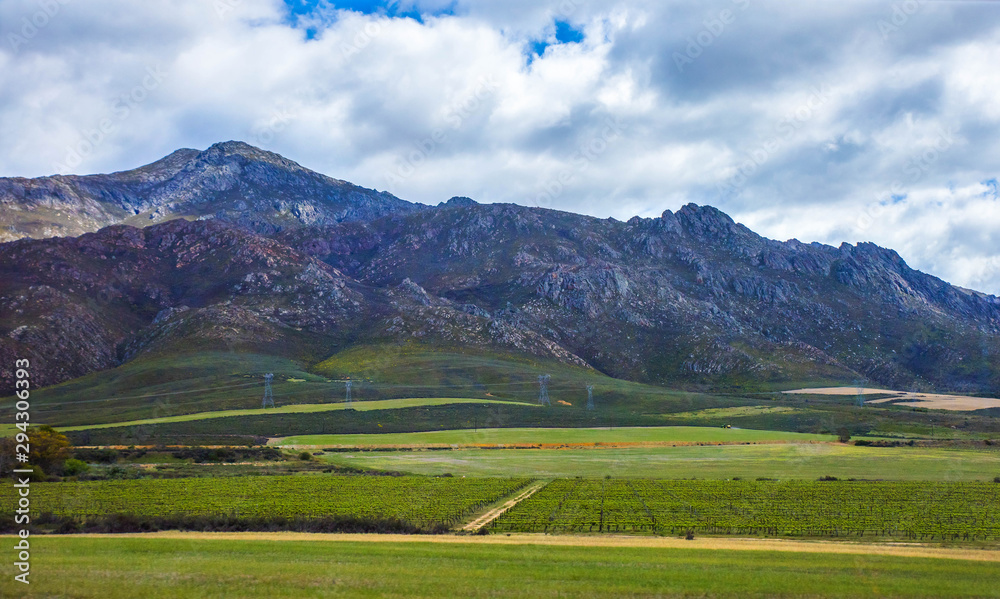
(543, 389)
(268, 394)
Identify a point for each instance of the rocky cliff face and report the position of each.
(690, 296)
(229, 181)
(687, 295)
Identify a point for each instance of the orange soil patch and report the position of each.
(581, 445)
(728, 544)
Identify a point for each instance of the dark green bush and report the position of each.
(75, 467)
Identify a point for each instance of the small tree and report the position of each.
(49, 448)
(843, 435)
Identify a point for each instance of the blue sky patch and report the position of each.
(565, 34)
(389, 8)
(994, 188)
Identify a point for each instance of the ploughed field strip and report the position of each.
(907, 510)
(421, 501)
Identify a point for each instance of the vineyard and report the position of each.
(421, 501)
(966, 511)
(907, 510)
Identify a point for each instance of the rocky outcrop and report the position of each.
(686, 294)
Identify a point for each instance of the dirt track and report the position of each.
(729, 544)
(493, 514)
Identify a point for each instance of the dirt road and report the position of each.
(493, 514)
(729, 544)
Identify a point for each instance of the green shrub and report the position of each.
(74, 467)
(37, 475)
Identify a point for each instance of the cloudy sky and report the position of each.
(824, 121)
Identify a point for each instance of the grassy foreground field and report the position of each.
(183, 568)
(515, 436)
(781, 461)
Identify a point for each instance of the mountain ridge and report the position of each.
(689, 297)
(230, 180)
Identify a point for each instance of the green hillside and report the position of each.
(168, 385)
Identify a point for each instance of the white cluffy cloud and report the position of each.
(826, 122)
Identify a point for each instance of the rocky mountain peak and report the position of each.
(242, 152)
(459, 201)
(232, 181)
(705, 220)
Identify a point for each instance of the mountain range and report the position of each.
(235, 248)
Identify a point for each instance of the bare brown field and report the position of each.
(715, 543)
(931, 401)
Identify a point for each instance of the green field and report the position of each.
(782, 461)
(361, 406)
(417, 500)
(155, 568)
(515, 436)
(909, 510)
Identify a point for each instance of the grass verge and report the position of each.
(183, 568)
